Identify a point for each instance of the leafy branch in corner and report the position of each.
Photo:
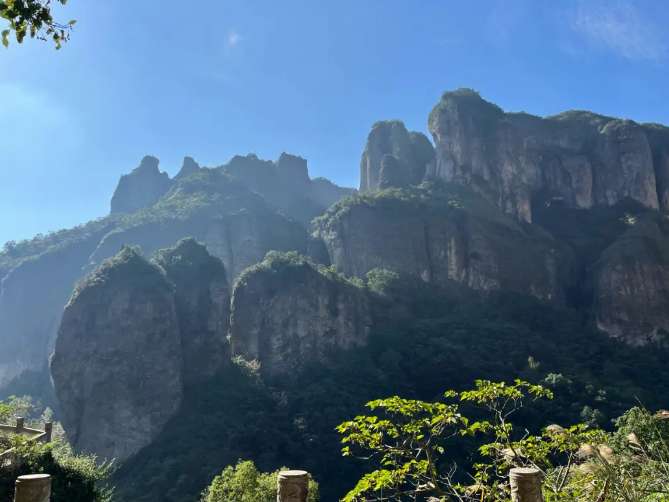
(33, 18)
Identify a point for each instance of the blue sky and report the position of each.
(216, 78)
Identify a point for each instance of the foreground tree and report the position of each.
(410, 443)
(33, 18)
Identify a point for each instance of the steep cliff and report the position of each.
(141, 188)
(443, 233)
(34, 291)
(631, 282)
(117, 365)
(286, 312)
(518, 160)
(203, 307)
(394, 157)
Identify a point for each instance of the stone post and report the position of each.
(33, 488)
(20, 423)
(48, 429)
(292, 486)
(525, 485)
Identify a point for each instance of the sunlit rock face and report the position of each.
(394, 157)
(141, 188)
(444, 234)
(517, 160)
(117, 363)
(286, 313)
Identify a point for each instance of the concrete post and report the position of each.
(292, 486)
(48, 429)
(525, 485)
(33, 488)
(20, 423)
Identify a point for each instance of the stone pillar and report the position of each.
(526, 485)
(20, 423)
(292, 486)
(48, 429)
(33, 488)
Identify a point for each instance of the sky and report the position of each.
(215, 78)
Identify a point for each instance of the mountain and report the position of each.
(219, 207)
(243, 311)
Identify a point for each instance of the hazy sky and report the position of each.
(215, 78)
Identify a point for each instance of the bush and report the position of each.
(75, 478)
(244, 483)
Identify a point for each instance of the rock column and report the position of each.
(525, 485)
(33, 488)
(292, 486)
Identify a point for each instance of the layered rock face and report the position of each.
(141, 188)
(631, 283)
(117, 364)
(203, 307)
(441, 234)
(286, 313)
(516, 160)
(394, 157)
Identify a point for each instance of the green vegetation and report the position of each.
(33, 18)
(409, 443)
(75, 478)
(244, 483)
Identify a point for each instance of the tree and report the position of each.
(33, 18)
(244, 483)
(409, 440)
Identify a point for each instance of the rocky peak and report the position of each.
(294, 169)
(517, 160)
(412, 153)
(286, 312)
(203, 306)
(188, 167)
(119, 336)
(141, 188)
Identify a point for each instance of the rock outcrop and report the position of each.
(285, 185)
(442, 234)
(134, 336)
(287, 313)
(518, 160)
(141, 188)
(394, 157)
(631, 283)
(117, 364)
(203, 307)
(188, 167)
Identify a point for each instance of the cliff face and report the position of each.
(141, 188)
(441, 234)
(117, 366)
(286, 313)
(394, 157)
(631, 283)
(133, 337)
(517, 160)
(32, 296)
(203, 307)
